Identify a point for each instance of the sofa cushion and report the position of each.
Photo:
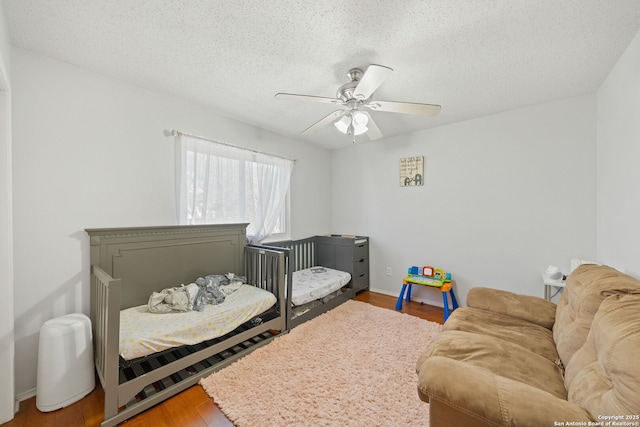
(604, 375)
(587, 286)
(497, 356)
(528, 335)
(461, 395)
(526, 307)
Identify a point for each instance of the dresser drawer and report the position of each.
(360, 281)
(360, 252)
(360, 266)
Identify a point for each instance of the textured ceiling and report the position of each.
(473, 57)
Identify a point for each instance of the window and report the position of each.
(218, 183)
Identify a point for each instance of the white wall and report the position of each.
(7, 383)
(619, 163)
(504, 196)
(90, 152)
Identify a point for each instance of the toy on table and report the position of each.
(428, 276)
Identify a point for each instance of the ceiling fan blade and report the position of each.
(323, 122)
(374, 131)
(295, 97)
(404, 107)
(371, 80)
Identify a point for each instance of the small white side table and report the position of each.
(549, 283)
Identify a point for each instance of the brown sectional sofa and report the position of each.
(516, 360)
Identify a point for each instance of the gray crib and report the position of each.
(128, 264)
(350, 254)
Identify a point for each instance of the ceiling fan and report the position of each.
(354, 98)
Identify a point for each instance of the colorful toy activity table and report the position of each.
(435, 282)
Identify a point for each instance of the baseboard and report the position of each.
(421, 300)
(25, 395)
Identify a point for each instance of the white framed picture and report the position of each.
(412, 171)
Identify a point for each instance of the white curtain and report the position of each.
(217, 183)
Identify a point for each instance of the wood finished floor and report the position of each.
(191, 408)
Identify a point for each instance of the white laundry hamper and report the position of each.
(65, 362)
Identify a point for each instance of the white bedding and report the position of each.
(316, 282)
(143, 333)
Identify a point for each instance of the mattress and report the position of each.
(314, 283)
(143, 333)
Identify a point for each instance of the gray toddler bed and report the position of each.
(128, 264)
(311, 252)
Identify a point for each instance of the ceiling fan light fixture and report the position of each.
(343, 124)
(355, 123)
(360, 119)
(359, 130)
(359, 123)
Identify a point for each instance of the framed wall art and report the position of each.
(412, 171)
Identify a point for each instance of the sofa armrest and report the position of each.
(526, 307)
(472, 393)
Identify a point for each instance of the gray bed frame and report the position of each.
(128, 264)
(301, 254)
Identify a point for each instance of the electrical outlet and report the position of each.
(388, 271)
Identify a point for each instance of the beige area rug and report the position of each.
(352, 366)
